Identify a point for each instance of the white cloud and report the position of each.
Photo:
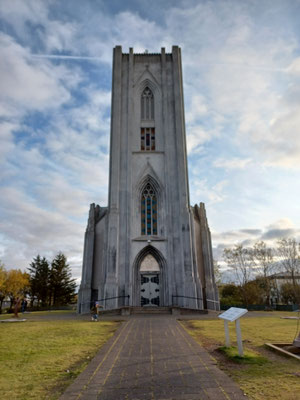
(30, 229)
(294, 67)
(197, 109)
(283, 228)
(6, 139)
(283, 223)
(211, 195)
(28, 84)
(234, 163)
(196, 137)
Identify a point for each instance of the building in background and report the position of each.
(149, 247)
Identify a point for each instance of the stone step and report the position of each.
(151, 310)
(128, 310)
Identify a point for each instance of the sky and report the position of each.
(241, 75)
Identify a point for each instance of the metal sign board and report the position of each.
(233, 313)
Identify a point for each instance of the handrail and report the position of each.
(112, 298)
(188, 297)
(212, 301)
(195, 298)
(107, 298)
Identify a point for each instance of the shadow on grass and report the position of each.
(250, 357)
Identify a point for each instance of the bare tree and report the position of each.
(217, 273)
(240, 260)
(264, 264)
(288, 251)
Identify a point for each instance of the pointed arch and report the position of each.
(158, 256)
(148, 210)
(149, 195)
(149, 249)
(147, 104)
(148, 177)
(150, 81)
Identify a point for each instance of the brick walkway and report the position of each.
(152, 357)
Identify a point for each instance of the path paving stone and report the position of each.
(152, 358)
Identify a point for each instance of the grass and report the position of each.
(261, 374)
(40, 358)
(249, 357)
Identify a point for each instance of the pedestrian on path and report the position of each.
(23, 306)
(94, 312)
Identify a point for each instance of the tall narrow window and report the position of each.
(148, 211)
(148, 139)
(147, 105)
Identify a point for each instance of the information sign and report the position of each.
(233, 313)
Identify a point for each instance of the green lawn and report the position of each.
(262, 374)
(40, 357)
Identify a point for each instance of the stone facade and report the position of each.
(149, 222)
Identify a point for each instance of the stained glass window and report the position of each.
(148, 139)
(148, 211)
(147, 105)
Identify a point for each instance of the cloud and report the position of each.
(283, 228)
(234, 163)
(196, 137)
(251, 232)
(235, 73)
(294, 67)
(30, 229)
(278, 233)
(29, 84)
(211, 195)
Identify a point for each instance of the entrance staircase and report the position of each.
(153, 310)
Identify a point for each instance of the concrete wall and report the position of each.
(118, 242)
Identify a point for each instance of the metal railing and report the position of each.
(92, 302)
(194, 298)
(187, 297)
(113, 298)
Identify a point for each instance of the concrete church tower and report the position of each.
(149, 243)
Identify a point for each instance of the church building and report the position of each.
(149, 247)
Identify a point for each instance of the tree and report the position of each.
(290, 293)
(217, 273)
(255, 291)
(39, 280)
(231, 295)
(264, 264)
(3, 277)
(16, 284)
(288, 251)
(240, 260)
(62, 286)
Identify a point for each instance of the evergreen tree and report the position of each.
(61, 284)
(39, 279)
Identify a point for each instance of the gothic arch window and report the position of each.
(147, 120)
(149, 210)
(147, 104)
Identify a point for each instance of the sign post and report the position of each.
(227, 337)
(234, 314)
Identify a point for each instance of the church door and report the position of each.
(149, 290)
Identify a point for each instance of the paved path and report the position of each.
(152, 357)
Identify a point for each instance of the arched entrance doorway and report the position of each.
(150, 281)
